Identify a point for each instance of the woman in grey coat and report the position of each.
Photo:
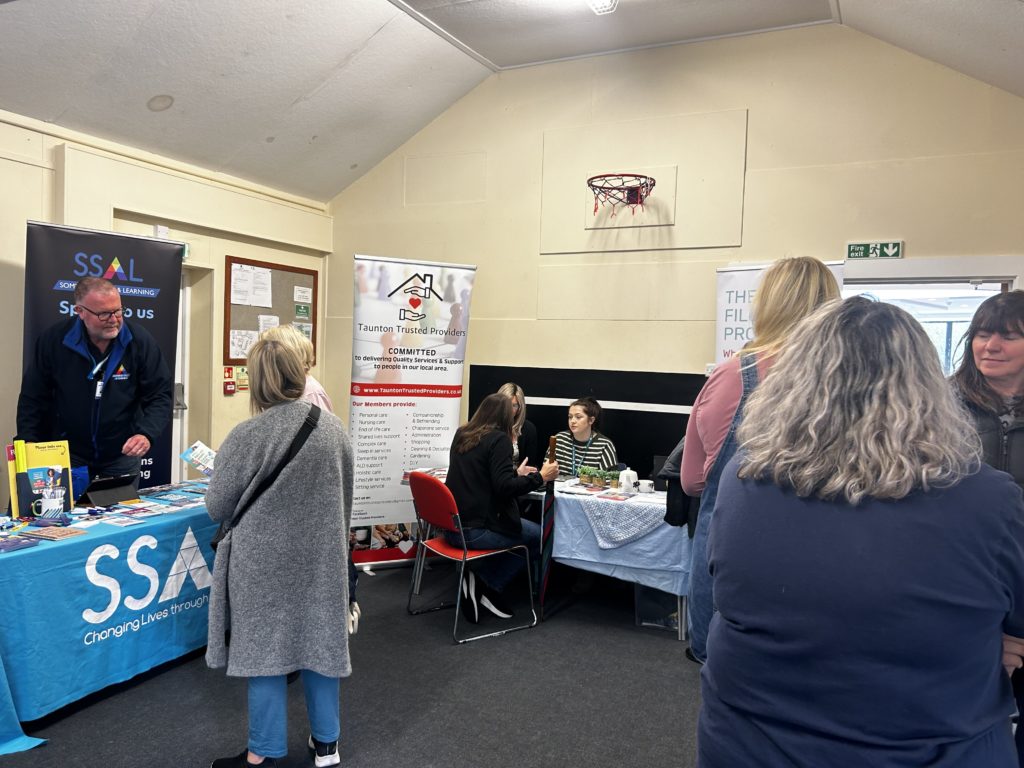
(280, 577)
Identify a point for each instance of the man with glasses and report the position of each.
(98, 382)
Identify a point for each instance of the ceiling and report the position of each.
(308, 95)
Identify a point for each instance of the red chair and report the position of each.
(436, 511)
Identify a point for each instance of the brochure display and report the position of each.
(410, 323)
(40, 478)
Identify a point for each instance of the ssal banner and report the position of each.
(146, 272)
(410, 320)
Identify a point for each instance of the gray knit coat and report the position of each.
(280, 579)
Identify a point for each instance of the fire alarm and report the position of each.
(229, 387)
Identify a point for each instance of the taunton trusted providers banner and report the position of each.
(146, 272)
(410, 320)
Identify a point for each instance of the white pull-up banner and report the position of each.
(409, 326)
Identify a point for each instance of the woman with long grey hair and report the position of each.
(865, 563)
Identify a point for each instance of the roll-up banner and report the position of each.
(147, 273)
(409, 326)
(734, 325)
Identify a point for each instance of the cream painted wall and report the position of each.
(848, 139)
(47, 174)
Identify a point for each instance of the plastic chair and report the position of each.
(436, 511)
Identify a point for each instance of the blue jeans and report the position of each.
(268, 711)
(499, 570)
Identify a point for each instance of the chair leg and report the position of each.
(504, 630)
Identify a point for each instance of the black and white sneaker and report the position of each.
(242, 761)
(470, 608)
(324, 753)
(494, 602)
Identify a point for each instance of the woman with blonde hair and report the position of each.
(790, 290)
(865, 563)
(280, 575)
(524, 433)
(313, 392)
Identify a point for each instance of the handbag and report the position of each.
(308, 424)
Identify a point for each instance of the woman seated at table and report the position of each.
(524, 433)
(865, 563)
(582, 445)
(485, 485)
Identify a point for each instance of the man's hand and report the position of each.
(136, 445)
(1013, 653)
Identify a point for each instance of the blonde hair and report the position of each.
(294, 338)
(276, 375)
(856, 406)
(515, 392)
(790, 290)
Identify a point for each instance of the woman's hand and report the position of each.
(1013, 653)
(525, 469)
(549, 471)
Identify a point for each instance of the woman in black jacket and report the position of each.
(485, 485)
(990, 382)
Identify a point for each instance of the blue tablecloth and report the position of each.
(660, 558)
(84, 613)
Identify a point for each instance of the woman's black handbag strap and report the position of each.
(300, 438)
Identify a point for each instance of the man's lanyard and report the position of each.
(99, 381)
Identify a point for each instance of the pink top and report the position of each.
(316, 394)
(710, 420)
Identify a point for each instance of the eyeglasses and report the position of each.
(104, 316)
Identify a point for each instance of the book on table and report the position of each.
(42, 478)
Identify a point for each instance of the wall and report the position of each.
(51, 175)
(848, 138)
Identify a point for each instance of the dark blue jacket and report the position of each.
(58, 391)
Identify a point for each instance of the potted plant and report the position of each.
(586, 475)
(600, 479)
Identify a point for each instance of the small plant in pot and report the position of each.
(587, 475)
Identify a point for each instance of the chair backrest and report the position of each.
(434, 503)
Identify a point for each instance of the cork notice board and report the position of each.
(258, 295)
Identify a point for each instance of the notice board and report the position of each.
(259, 295)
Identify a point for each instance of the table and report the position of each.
(87, 612)
(581, 531)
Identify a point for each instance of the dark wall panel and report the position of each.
(638, 435)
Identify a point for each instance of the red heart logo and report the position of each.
(414, 302)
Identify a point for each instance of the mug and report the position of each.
(47, 507)
(646, 486)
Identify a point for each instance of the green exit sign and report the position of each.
(892, 249)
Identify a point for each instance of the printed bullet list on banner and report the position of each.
(410, 324)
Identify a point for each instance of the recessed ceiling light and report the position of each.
(160, 103)
(601, 7)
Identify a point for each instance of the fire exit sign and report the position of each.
(892, 249)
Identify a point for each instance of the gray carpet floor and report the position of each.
(584, 688)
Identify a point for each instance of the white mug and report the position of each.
(47, 507)
(646, 486)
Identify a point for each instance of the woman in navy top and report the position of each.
(865, 564)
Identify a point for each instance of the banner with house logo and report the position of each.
(146, 272)
(409, 326)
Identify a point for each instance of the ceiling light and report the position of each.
(601, 7)
(160, 103)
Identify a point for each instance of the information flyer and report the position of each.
(410, 320)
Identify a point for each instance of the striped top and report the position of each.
(597, 452)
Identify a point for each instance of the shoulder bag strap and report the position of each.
(308, 424)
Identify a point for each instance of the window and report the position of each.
(943, 309)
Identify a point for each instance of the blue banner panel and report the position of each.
(98, 609)
(147, 273)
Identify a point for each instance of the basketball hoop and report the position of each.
(620, 189)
